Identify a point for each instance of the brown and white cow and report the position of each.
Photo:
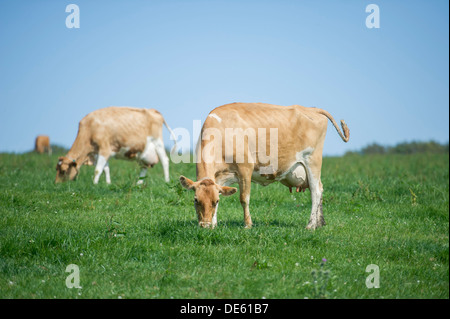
(42, 144)
(295, 136)
(123, 132)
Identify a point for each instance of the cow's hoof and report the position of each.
(248, 226)
(313, 226)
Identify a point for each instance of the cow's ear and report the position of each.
(186, 182)
(227, 191)
(60, 160)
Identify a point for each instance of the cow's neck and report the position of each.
(206, 170)
(79, 158)
(80, 149)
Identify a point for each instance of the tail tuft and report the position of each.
(346, 131)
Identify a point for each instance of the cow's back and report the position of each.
(263, 115)
(294, 123)
(122, 127)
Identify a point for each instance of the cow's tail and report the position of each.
(346, 136)
(173, 137)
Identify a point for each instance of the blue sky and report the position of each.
(185, 58)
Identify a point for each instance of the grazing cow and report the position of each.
(297, 135)
(42, 145)
(123, 132)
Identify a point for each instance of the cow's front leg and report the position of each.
(245, 186)
(107, 175)
(102, 161)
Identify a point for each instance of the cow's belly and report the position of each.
(261, 179)
(226, 179)
(295, 176)
(122, 153)
(147, 156)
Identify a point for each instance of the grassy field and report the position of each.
(144, 242)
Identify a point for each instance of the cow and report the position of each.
(124, 132)
(42, 144)
(297, 136)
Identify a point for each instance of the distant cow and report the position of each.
(123, 132)
(295, 155)
(42, 144)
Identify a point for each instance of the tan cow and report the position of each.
(123, 132)
(295, 136)
(42, 144)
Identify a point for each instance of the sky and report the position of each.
(184, 58)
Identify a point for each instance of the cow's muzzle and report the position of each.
(206, 224)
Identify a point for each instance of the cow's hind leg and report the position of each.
(159, 147)
(315, 185)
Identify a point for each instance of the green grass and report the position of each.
(144, 242)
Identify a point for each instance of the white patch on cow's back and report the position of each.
(214, 115)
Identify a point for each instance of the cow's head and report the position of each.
(206, 198)
(66, 169)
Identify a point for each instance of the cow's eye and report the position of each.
(195, 201)
(215, 203)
